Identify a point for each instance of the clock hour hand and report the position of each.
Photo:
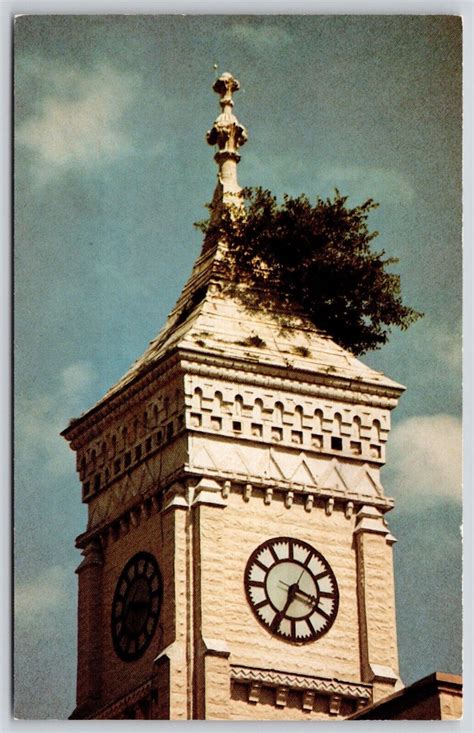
(298, 591)
(292, 590)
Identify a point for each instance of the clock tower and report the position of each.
(237, 563)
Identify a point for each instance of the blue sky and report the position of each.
(111, 171)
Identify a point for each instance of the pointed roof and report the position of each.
(209, 317)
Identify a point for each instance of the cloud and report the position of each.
(391, 185)
(77, 122)
(77, 377)
(445, 344)
(39, 421)
(425, 458)
(263, 37)
(48, 591)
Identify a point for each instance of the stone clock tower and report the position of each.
(236, 563)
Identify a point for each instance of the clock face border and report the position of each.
(291, 638)
(121, 600)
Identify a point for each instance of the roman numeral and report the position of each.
(327, 594)
(257, 583)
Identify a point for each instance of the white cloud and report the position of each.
(260, 37)
(445, 344)
(77, 377)
(436, 346)
(79, 121)
(46, 592)
(389, 184)
(40, 420)
(425, 458)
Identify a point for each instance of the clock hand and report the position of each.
(292, 589)
(312, 599)
(298, 590)
(301, 575)
(130, 601)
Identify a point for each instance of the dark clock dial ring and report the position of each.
(136, 606)
(291, 589)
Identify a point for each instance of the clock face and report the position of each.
(136, 606)
(292, 590)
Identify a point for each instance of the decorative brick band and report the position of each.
(116, 709)
(343, 389)
(321, 685)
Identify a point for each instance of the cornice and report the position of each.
(325, 686)
(302, 381)
(192, 488)
(343, 389)
(132, 393)
(114, 710)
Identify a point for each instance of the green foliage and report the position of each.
(316, 260)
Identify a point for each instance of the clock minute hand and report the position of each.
(298, 591)
(311, 598)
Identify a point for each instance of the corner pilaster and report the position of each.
(211, 673)
(89, 666)
(376, 602)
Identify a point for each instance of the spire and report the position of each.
(228, 134)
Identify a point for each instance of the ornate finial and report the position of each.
(228, 134)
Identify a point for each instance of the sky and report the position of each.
(111, 171)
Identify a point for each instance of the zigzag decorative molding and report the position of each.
(366, 478)
(276, 466)
(116, 709)
(270, 678)
(333, 478)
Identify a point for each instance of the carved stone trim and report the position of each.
(254, 692)
(116, 709)
(343, 389)
(208, 491)
(308, 699)
(335, 704)
(370, 519)
(153, 501)
(281, 697)
(93, 555)
(142, 385)
(331, 687)
(273, 489)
